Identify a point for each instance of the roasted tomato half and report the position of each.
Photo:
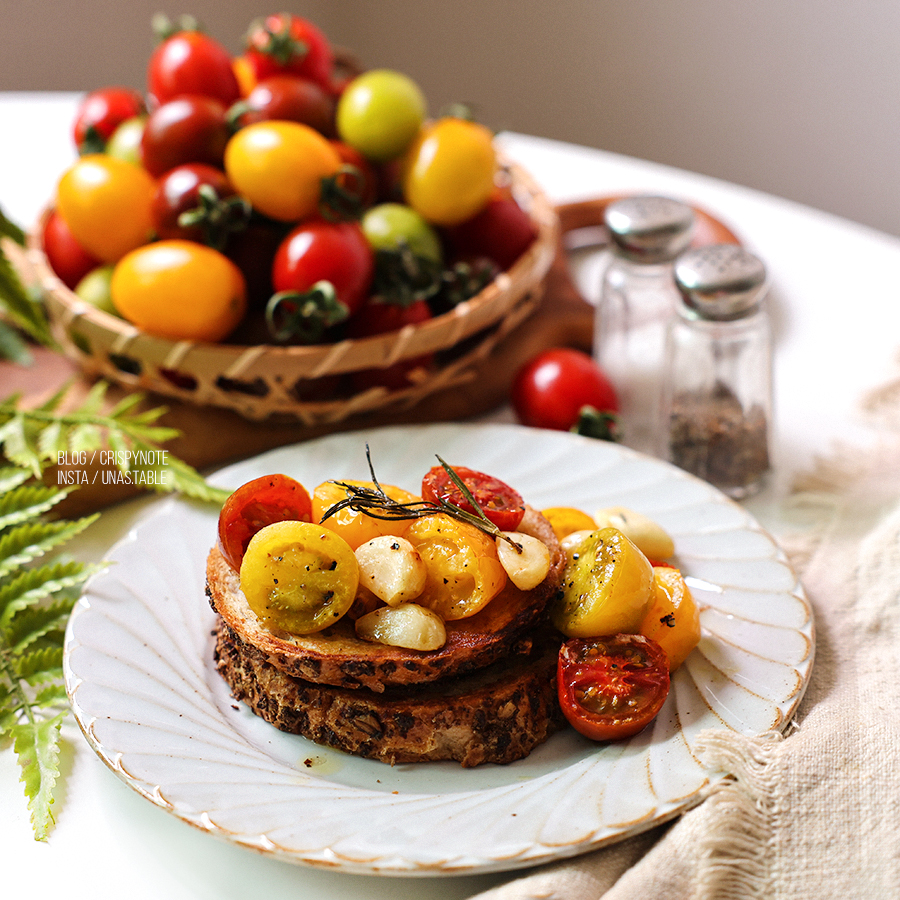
(261, 502)
(612, 687)
(501, 504)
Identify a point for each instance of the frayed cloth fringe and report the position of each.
(735, 858)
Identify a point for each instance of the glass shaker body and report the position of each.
(638, 300)
(717, 398)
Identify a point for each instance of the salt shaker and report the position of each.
(637, 301)
(717, 399)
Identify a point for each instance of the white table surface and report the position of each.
(837, 311)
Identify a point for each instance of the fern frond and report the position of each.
(26, 502)
(31, 540)
(29, 588)
(36, 744)
(29, 624)
(20, 305)
(39, 665)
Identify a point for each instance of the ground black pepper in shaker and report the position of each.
(717, 398)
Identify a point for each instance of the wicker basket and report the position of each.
(266, 381)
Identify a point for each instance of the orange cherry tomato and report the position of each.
(673, 620)
(106, 203)
(611, 687)
(180, 290)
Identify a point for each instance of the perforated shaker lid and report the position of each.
(721, 281)
(650, 229)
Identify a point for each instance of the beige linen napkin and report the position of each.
(813, 815)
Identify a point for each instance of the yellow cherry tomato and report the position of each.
(106, 203)
(607, 587)
(464, 571)
(355, 527)
(565, 520)
(448, 171)
(299, 576)
(672, 620)
(179, 290)
(279, 167)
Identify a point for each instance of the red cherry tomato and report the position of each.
(261, 502)
(287, 43)
(612, 687)
(190, 62)
(502, 232)
(68, 259)
(381, 318)
(551, 390)
(289, 98)
(100, 113)
(184, 130)
(333, 252)
(178, 191)
(502, 504)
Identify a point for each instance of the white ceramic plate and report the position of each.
(141, 680)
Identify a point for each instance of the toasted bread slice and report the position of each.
(338, 657)
(496, 715)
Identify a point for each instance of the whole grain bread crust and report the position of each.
(339, 658)
(496, 715)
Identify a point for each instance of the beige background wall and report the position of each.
(796, 97)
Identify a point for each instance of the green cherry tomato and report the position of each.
(94, 289)
(391, 226)
(125, 142)
(380, 113)
(448, 171)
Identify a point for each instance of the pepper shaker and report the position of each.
(717, 400)
(637, 301)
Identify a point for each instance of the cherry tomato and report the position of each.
(68, 259)
(356, 527)
(187, 129)
(279, 167)
(448, 171)
(179, 191)
(125, 142)
(106, 204)
(94, 289)
(380, 318)
(607, 587)
(290, 99)
(190, 62)
(380, 113)
(502, 504)
(464, 572)
(672, 620)
(565, 520)
(501, 231)
(333, 252)
(180, 290)
(362, 181)
(255, 504)
(550, 390)
(612, 687)
(285, 43)
(100, 113)
(299, 576)
(394, 226)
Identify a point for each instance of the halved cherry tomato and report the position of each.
(286, 43)
(672, 620)
(279, 167)
(566, 520)
(299, 576)
(501, 504)
(260, 502)
(100, 113)
(106, 204)
(184, 130)
(189, 62)
(607, 587)
(612, 687)
(448, 171)
(464, 572)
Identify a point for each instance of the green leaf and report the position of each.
(30, 540)
(19, 305)
(23, 593)
(27, 501)
(9, 229)
(13, 347)
(36, 744)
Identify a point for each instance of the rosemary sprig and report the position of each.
(374, 502)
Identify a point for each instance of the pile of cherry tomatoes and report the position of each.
(271, 197)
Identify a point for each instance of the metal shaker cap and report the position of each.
(650, 229)
(721, 281)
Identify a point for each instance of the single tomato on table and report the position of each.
(179, 290)
(611, 687)
(255, 504)
(503, 505)
(556, 386)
